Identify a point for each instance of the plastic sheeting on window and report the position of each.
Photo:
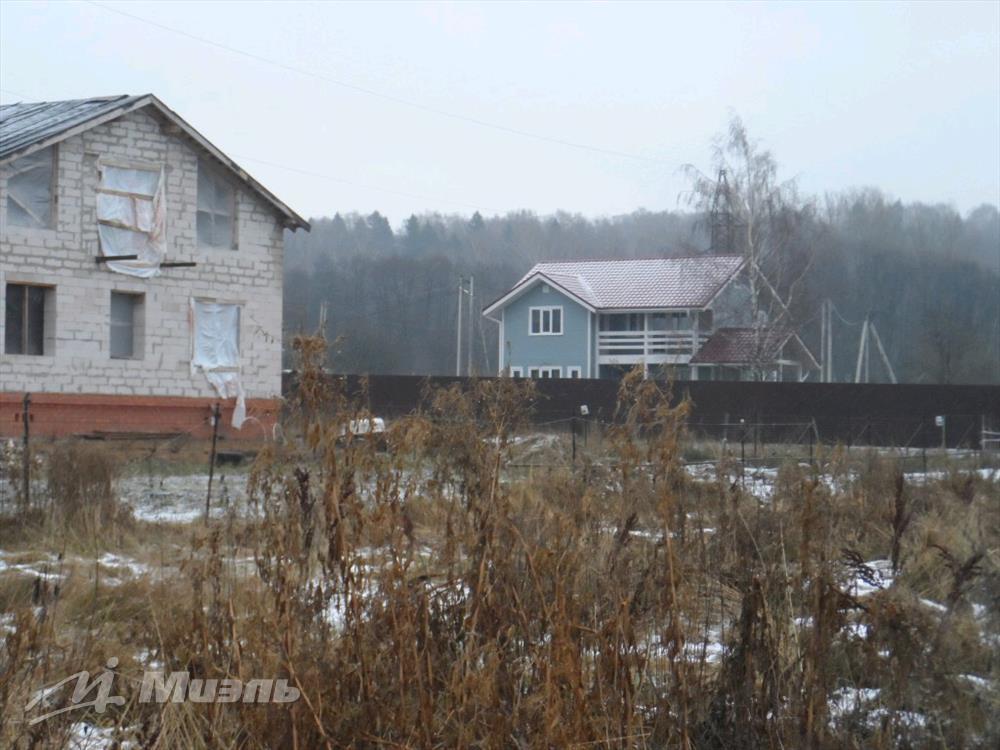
(215, 336)
(29, 190)
(131, 219)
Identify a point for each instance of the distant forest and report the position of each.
(929, 278)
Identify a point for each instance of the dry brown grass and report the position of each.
(426, 597)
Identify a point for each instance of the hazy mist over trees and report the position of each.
(929, 277)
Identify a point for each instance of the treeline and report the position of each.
(928, 277)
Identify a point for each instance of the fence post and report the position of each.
(26, 450)
(923, 449)
(572, 429)
(211, 460)
(743, 452)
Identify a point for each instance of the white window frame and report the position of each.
(535, 373)
(516, 372)
(574, 372)
(542, 310)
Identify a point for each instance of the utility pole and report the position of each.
(458, 337)
(829, 341)
(862, 352)
(472, 322)
(824, 334)
(822, 342)
(870, 333)
(323, 306)
(881, 351)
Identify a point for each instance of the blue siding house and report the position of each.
(686, 317)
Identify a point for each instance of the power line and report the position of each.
(844, 320)
(344, 181)
(384, 96)
(15, 93)
(332, 178)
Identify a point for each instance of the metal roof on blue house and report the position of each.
(634, 283)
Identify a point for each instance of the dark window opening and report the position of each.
(24, 319)
(125, 319)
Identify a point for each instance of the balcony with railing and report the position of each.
(652, 338)
(631, 347)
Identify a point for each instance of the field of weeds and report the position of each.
(426, 591)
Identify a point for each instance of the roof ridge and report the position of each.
(646, 257)
(109, 98)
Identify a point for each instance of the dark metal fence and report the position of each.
(846, 413)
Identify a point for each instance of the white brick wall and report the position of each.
(79, 360)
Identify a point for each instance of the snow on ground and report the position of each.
(113, 569)
(710, 647)
(84, 736)
(133, 566)
(181, 499)
(40, 568)
(877, 577)
(977, 681)
(921, 477)
(864, 703)
(760, 481)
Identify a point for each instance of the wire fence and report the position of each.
(752, 443)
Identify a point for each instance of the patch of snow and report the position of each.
(84, 736)
(28, 570)
(145, 657)
(881, 579)
(937, 475)
(847, 700)
(934, 605)
(979, 682)
(864, 703)
(857, 630)
(133, 566)
(181, 499)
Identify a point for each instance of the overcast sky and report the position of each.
(451, 107)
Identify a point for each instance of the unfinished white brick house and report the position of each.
(140, 268)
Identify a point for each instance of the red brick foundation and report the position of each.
(64, 414)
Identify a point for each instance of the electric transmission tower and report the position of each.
(722, 226)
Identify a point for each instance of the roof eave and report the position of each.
(522, 287)
(292, 219)
(726, 282)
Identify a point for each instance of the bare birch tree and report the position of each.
(770, 229)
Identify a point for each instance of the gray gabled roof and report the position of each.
(24, 124)
(30, 126)
(634, 283)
